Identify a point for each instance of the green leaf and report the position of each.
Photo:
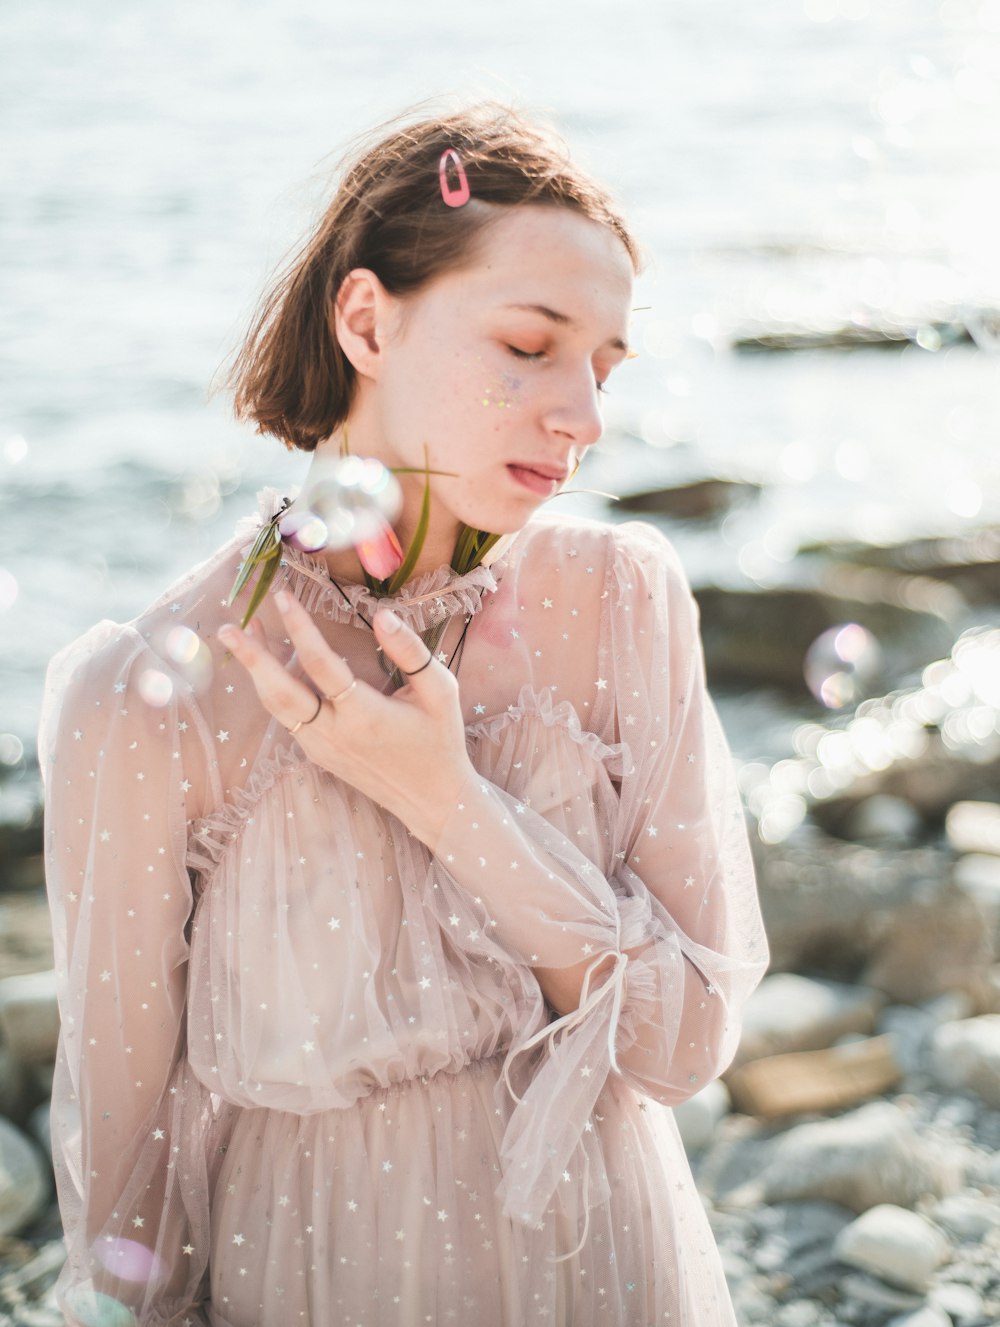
(405, 569)
(266, 545)
(260, 589)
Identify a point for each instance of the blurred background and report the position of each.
(794, 166)
(813, 415)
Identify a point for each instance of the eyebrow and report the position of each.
(563, 319)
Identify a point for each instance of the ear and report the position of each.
(359, 316)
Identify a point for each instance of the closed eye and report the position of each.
(534, 355)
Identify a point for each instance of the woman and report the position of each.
(370, 992)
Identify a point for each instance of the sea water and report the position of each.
(785, 163)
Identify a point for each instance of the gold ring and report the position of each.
(346, 692)
(302, 722)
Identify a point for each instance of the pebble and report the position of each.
(884, 820)
(927, 1316)
(24, 1181)
(792, 1013)
(967, 1216)
(860, 1160)
(966, 1056)
(962, 1304)
(973, 827)
(901, 1247)
(29, 1016)
(864, 1289)
(38, 1124)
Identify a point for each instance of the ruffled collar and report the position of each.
(422, 602)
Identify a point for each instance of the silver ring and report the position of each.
(346, 692)
(302, 722)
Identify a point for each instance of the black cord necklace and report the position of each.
(431, 638)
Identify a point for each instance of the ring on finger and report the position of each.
(302, 722)
(342, 694)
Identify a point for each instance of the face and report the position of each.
(499, 367)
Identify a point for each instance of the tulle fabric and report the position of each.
(306, 1072)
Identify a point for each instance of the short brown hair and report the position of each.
(290, 376)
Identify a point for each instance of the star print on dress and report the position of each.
(294, 1102)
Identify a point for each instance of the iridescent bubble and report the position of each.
(130, 1260)
(8, 589)
(192, 656)
(304, 530)
(842, 664)
(183, 644)
(353, 497)
(11, 749)
(155, 688)
(92, 1309)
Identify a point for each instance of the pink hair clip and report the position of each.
(453, 197)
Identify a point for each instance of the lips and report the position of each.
(543, 480)
(556, 472)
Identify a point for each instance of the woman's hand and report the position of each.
(405, 751)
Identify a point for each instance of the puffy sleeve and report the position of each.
(120, 748)
(668, 929)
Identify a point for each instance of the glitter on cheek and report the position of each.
(500, 394)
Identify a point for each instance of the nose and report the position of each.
(575, 409)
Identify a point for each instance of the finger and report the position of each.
(284, 696)
(326, 668)
(427, 678)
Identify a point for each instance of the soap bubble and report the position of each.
(841, 665)
(11, 749)
(352, 498)
(192, 656)
(155, 688)
(130, 1260)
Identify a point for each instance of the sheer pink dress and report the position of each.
(306, 1072)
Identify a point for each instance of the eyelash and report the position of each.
(540, 354)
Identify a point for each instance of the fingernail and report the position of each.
(390, 621)
(282, 599)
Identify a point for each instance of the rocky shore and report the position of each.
(850, 1157)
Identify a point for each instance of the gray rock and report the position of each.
(799, 1313)
(901, 1247)
(15, 1086)
(868, 1290)
(974, 827)
(966, 1056)
(29, 1016)
(927, 1316)
(882, 819)
(860, 1160)
(962, 1303)
(941, 940)
(792, 1013)
(910, 1030)
(38, 1124)
(967, 1216)
(24, 1182)
(698, 1117)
